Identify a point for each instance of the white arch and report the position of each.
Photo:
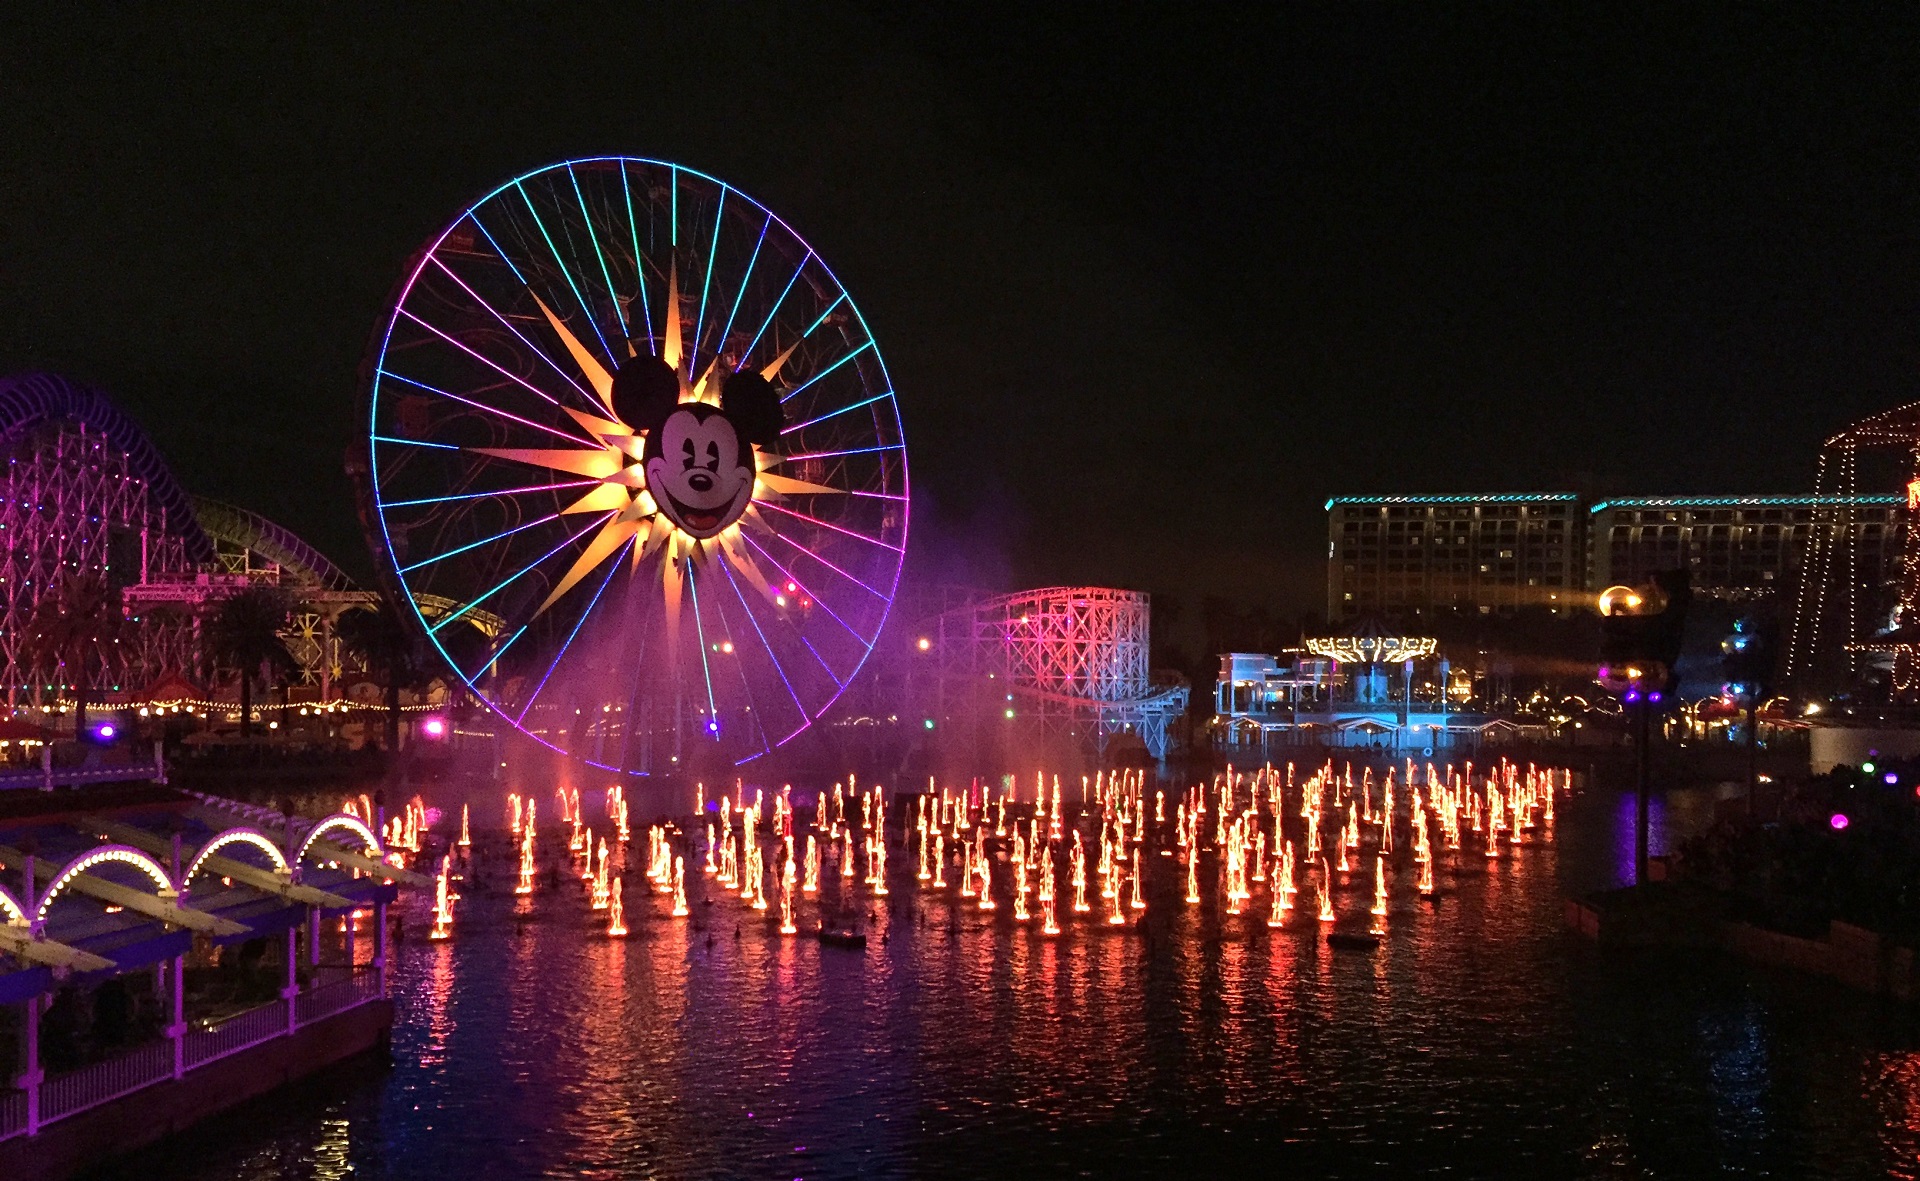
(125, 854)
(15, 914)
(340, 820)
(244, 836)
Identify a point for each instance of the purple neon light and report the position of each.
(818, 601)
(513, 377)
(837, 529)
(495, 492)
(509, 326)
(829, 565)
(612, 567)
(771, 655)
(484, 408)
(822, 660)
(837, 454)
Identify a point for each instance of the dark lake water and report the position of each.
(1479, 1040)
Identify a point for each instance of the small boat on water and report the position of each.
(853, 940)
(1352, 940)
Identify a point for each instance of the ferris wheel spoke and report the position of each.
(473, 545)
(566, 274)
(706, 284)
(498, 253)
(796, 391)
(837, 454)
(522, 490)
(881, 397)
(789, 575)
(835, 677)
(484, 360)
(415, 443)
(497, 653)
(738, 651)
(837, 529)
(758, 631)
(639, 263)
(561, 655)
(483, 407)
(822, 317)
(592, 236)
(773, 311)
(533, 348)
(510, 579)
(706, 666)
(745, 279)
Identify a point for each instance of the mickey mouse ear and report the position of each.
(754, 406)
(645, 391)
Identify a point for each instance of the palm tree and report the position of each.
(72, 631)
(244, 635)
(387, 642)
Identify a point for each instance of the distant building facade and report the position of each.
(1485, 554)
(1741, 547)
(1495, 553)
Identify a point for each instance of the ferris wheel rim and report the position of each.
(896, 476)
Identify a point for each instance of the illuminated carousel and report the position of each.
(1342, 690)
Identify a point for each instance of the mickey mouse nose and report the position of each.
(700, 482)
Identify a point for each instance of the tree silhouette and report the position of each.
(243, 635)
(386, 640)
(72, 631)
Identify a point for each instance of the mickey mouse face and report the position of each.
(699, 479)
(698, 459)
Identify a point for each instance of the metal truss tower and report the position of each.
(1841, 613)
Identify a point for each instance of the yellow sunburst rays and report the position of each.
(617, 463)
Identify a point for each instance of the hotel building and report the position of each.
(1495, 553)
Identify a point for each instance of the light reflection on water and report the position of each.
(1480, 1039)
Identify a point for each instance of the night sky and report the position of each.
(1152, 283)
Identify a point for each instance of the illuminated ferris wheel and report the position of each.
(633, 425)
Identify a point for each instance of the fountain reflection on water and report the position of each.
(1477, 1038)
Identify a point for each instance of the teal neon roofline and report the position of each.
(1743, 501)
(1457, 498)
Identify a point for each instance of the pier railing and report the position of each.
(90, 1086)
(324, 1000)
(235, 1034)
(154, 1063)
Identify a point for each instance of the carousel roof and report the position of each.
(1368, 640)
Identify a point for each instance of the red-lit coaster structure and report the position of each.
(1070, 661)
(1848, 610)
(85, 494)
